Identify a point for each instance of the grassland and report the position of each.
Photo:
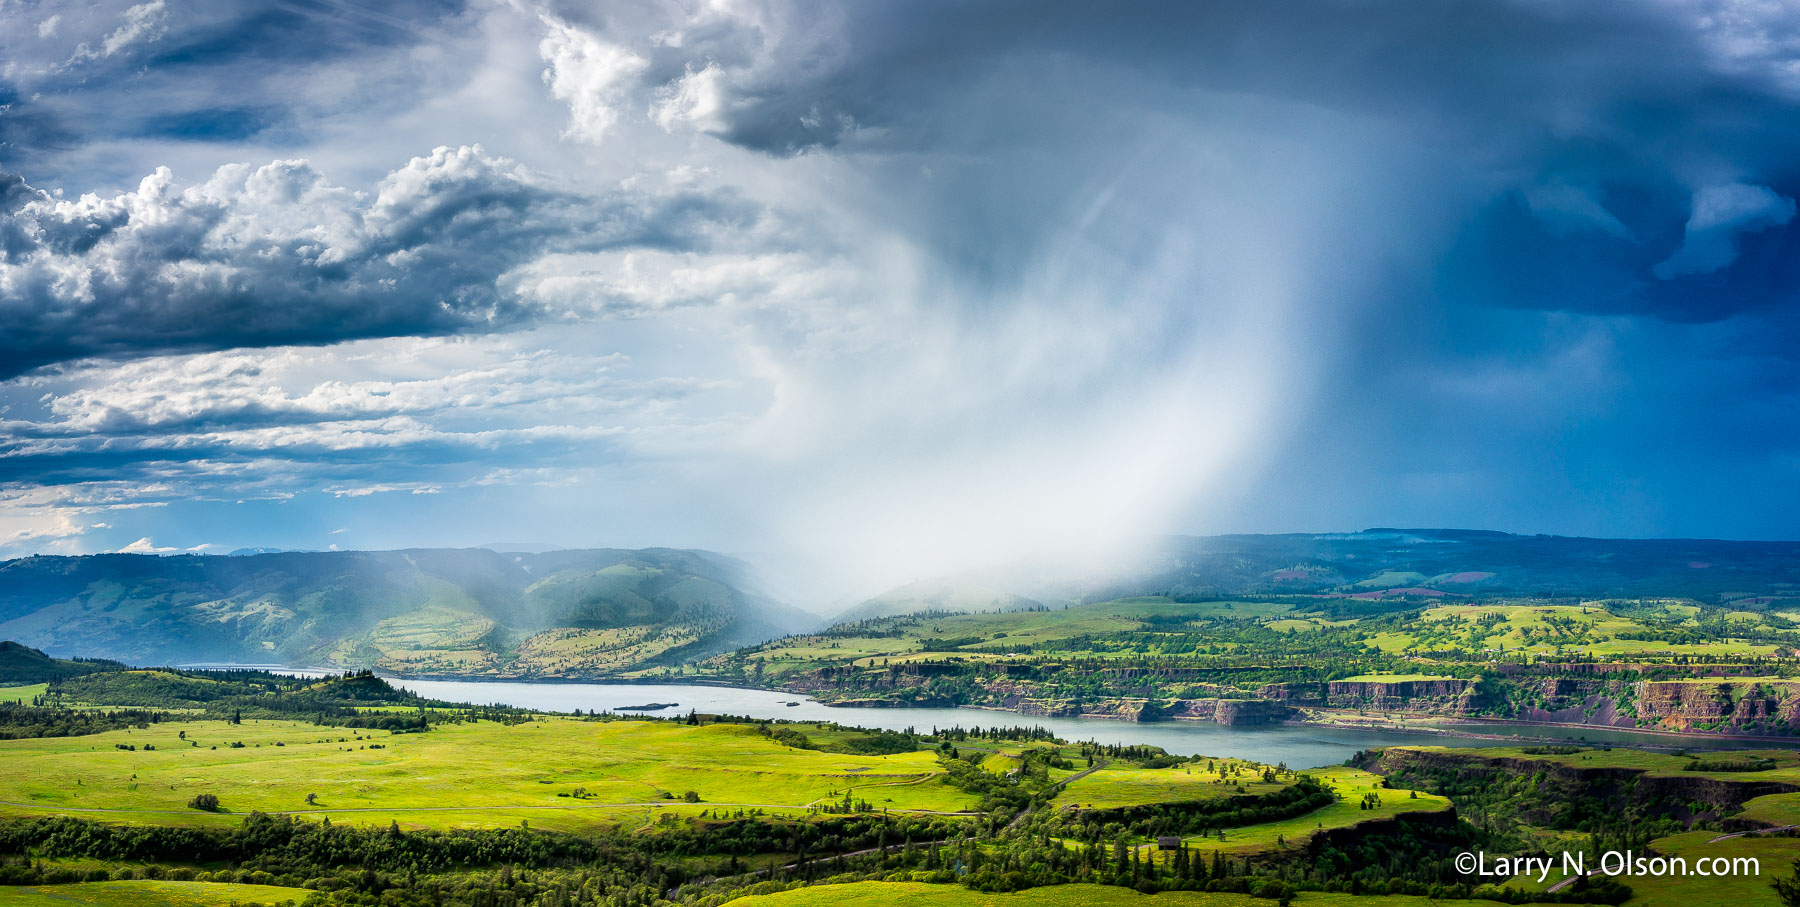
(554, 773)
(1351, 786)
(1153, 626)
(1786, 762)
(1125, 785)
(147, 893)
(23, 693)
(912, 894)
(995, 631)
(1774, 855)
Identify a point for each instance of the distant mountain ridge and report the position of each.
(1393, 563)
(468, 612)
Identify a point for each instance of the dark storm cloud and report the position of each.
(278, 255)
(1607, 127)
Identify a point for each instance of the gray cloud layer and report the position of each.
(916, 278)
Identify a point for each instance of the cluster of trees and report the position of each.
(1511, 805)
(1201, 817)
(707, 860)
(18, 720)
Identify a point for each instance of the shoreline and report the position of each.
(1435, 727)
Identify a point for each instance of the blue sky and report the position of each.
(877, 290)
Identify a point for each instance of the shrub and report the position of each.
(207, 802)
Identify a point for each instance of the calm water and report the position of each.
(1298, 746)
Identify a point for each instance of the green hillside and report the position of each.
(423, 611)
(1378, 565)
(22, 665)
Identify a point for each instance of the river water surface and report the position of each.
(1300, 746)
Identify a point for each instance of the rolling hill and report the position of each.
(468, 612)
(1447, 564)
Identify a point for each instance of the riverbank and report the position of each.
(1178, 734)
(1492, 729)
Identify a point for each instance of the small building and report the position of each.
(1168, 842)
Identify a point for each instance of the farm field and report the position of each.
(554, 773)
(147, 893)
(1158, 626)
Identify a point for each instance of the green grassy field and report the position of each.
(1787, 762)
(1776, 809)
(1775, 856)
(149, 894)
(22, 693)
(1020, 628)
(914, 894)
(480, 775)
(1351, 785)
(1544, 627)
(1126, 785)
(1157, 626)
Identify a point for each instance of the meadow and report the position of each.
(549, 772)
(1775, 857)
(145, 893)
(912, 894)
(23, 692)
(1125, 785)
(1351, 786)
(1786, 763)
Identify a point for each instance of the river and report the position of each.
(1300, 746)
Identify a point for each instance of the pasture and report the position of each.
(1774, 855)
(914, 894)
(1351, 786)
(1125, 785)
(147, 893)
(24, 693)
(553, 773)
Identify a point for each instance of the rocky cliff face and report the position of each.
(1294, 694)
(1576, 694)
(1441, 696)
(1555, 784)
(1728, 706)
(1218, 711)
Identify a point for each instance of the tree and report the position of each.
(1788, 889)
(206, 802)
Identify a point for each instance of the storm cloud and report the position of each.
(889, 288)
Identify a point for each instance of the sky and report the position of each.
(874, 291)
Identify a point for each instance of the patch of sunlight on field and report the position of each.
(551, 772)
(916, 894)
(1774, 855)
(146, 893)
(1351, 785)
(24, 693)
(1776, 809)
(1787, 762)
(1126, 785)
